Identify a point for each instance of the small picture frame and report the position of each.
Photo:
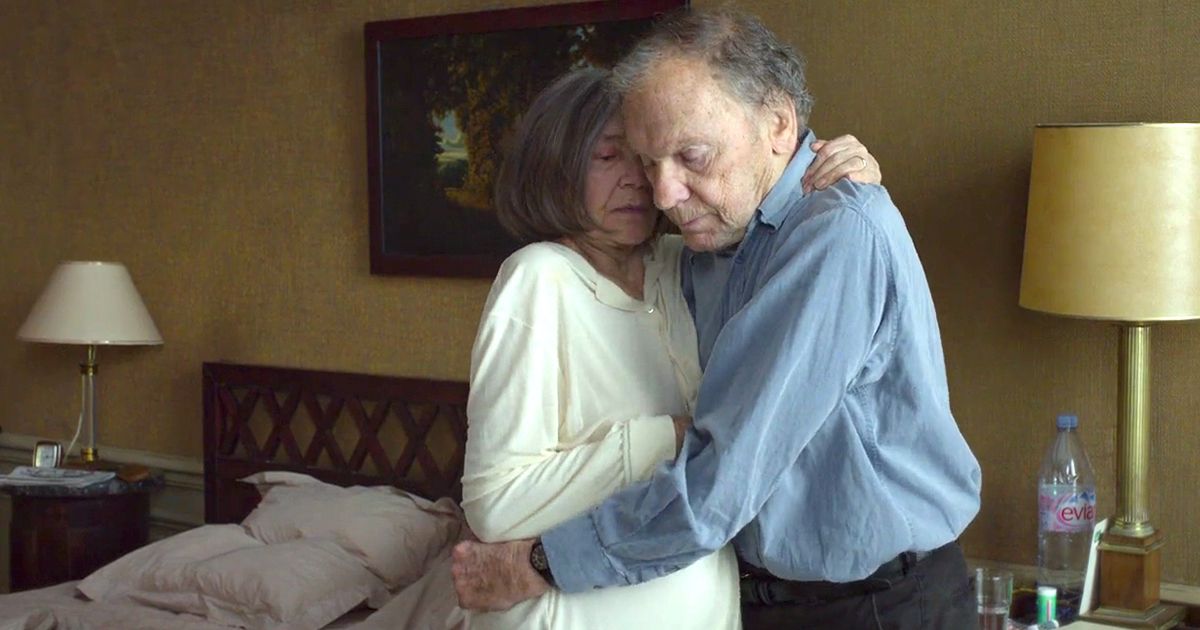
(47, 454)
(1092, 574)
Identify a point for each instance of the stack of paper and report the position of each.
(62, 477)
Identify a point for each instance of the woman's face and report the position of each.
(617, 193)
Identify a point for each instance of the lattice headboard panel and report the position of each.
(348, 429)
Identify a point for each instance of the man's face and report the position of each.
(709, 158)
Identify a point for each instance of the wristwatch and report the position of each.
(539, 562)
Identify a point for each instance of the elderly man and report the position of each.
(823, 444)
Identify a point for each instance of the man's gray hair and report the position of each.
(757, 67)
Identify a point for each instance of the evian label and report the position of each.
(1066, 508)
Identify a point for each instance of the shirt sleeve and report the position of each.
(777, 370)
(518, 481)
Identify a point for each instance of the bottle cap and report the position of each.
(1047, 604)
(1067, 421)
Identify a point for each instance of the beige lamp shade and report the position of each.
(90, 303)
(1113, 224)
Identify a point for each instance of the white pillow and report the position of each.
(221, 573)
(396, 534)
(141, 568)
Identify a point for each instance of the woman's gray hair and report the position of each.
(541, 186)
(757, 67)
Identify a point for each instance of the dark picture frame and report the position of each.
(443, 93)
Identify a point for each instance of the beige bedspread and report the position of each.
(59, 608)
(428, 604)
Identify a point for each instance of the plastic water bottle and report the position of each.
(1066, 516)
(1047, 607)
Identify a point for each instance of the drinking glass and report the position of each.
(993, 596)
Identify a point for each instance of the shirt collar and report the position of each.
(775, 205)
(606, 291)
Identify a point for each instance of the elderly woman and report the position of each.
(585, 368)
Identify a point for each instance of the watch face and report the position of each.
(537, 557)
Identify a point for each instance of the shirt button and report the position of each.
(650, 309)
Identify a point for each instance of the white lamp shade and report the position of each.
(90, 303)
(1113, 228)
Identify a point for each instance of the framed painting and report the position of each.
(442, 94)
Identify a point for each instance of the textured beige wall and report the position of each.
(946, 94)
(217, 149)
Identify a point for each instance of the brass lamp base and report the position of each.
(1129, 583)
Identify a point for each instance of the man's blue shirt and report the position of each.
(823, 443)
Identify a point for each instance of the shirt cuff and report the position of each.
(576, 556)
(648, 443)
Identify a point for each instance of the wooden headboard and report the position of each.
(342, 428)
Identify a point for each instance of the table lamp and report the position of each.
(90, 303)
(1113, 233)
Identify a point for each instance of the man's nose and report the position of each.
(669, 189)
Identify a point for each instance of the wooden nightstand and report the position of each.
(60, 534)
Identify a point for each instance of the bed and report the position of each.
(342, 429)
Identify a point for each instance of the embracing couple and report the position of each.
(649, 410)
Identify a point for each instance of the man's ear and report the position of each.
(783, 129)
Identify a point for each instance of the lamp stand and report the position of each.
(1130, 551)
(87, 376)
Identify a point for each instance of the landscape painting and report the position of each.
(443, 95)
